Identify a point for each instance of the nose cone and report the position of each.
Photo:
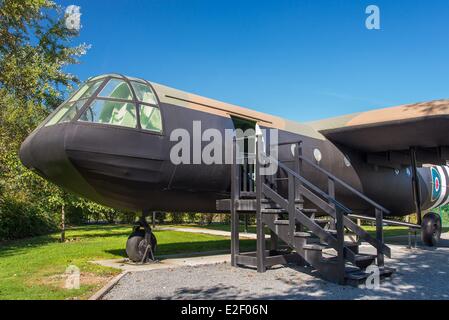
(44, 153)
(25, 153)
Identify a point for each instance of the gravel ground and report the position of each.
(422, 273)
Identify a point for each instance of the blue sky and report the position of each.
(302, 60)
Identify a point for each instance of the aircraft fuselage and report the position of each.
(130, 168)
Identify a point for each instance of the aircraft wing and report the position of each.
(386, 135)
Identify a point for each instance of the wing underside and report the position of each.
(386, 135)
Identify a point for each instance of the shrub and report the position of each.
(22, 220)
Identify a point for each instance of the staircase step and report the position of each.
(315, 247)
(309, 210)
(247, 195)
(273, 211)
(364, 260)
(279, 210)
(281, 222)
(303, 234)
(358, 277)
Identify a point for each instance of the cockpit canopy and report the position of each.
(112, 100)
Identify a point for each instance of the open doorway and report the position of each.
(247, 177)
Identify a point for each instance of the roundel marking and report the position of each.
(438, 185)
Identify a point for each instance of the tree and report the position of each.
(35, 47)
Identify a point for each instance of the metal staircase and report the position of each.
(314, 236)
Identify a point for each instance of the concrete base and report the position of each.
(126, 265)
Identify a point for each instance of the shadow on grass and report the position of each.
(19, 246)
(15, 247)
(192, 247)
(22, 246)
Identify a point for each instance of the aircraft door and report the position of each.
(246, 131)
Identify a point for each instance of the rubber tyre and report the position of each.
(431, 229)
(136, 245)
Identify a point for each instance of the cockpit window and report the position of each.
(117, 89)
(112, 100)
(104, 76)
(150, 118)
(112, 113)
(143, 92)
(86, 91)
(66, 112)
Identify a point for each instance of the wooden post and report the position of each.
(235, 195)
(380, 237)
(296, 184)
(340, 245)
(62, 223)
(298, 164)
(331, 192)
(291, 207)
(260, 256)
(415, 185)
(153, 220)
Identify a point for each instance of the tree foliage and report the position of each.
(35, 48)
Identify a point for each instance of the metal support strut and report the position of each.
(149, 254)
(415, 185)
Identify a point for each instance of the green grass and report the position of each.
(33, 268)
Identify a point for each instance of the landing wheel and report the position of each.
(137, 246)
(431, 229)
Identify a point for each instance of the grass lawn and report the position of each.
(34, 268)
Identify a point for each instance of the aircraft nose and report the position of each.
(25, 153)
(43, 152)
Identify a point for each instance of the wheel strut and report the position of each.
(149, 254)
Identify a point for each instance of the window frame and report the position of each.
(108, 124)
(139, 107)
(134, 101)
(68, 101)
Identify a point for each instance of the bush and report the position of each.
(161, 217)
(207, 218)
(21, 220)
(75, 216)
(177, 217)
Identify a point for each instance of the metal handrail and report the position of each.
(345, 185)
(385, 221)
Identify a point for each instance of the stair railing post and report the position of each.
(235, 196)
(274, 239)
(380, 237)
(298, 165)
(331, 193)
(340, 245)
(291, 206)
(260, 255)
